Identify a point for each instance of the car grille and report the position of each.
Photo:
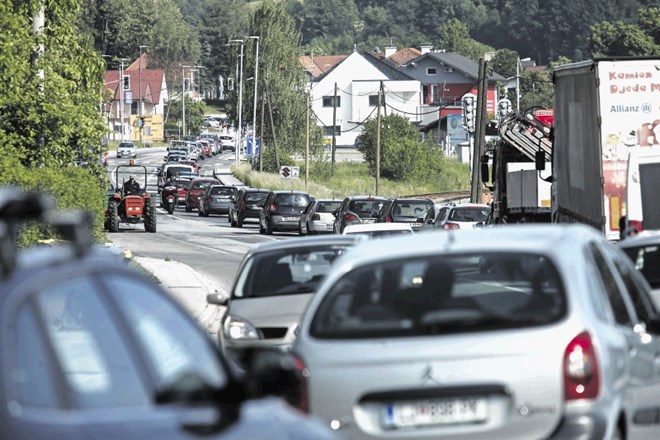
(273, 332)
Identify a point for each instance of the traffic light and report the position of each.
(469, 112)
(503, 108)
(126, 82)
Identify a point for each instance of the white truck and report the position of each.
(604, 109)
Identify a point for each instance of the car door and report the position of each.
(631, 305)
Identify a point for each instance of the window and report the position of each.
(425, 94)
(373, 100)
(134, 108)
(431, 71)
(329, 100)
(337, 131)
(434, 94)
(608, 281)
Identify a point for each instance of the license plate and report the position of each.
(369, 220)
(435, 412)
(328, 227)
(416, 225)
(289, 219)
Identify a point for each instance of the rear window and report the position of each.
(256, 197)
(222, 191)
(365, 207)
(442, 295)
(297, 200)
(411, 209)
(328, 206)
(647, 261)
(286, 272)
(202, 185)
(469, 214)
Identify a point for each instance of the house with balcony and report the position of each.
(345, 95)
(145, 95)
(444, 77)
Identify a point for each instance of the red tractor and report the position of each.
(130, 205)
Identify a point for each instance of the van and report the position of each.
(643, 209)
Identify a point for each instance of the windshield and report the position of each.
(286, 272)
(365, 207)
(296, 200)
(202, 185)
(328, 206)
(438, 295)
(469, 214)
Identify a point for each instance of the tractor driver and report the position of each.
(131, 186)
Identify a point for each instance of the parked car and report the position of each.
(248, 205)
(126, 149)
(196, 189)
(319, 217)
(405, 210)
(461, 216)
(282, 211)
(643, 250)
(216, 200)
(356, 210)
(92, 348)
(378, 230)
(415, 337)
(272, 286)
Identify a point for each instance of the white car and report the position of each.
(228, 142)
(378, 230)
(319, 217)
(126, 149)
(504, 333)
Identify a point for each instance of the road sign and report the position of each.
(287, 172)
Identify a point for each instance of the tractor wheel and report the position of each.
(113, 221)
(149, 216)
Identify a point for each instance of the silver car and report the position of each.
(319, 217)
(272, 287)
(516, 332)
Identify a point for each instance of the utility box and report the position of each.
(524, 187)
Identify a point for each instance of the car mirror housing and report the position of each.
(216, 299)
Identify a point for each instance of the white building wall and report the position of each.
(356, 79)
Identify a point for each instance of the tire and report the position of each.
(188, 208)
(149, 216)
(170, 208)
(113, 222)
(269, 228)
(262, 230)
(239, 221)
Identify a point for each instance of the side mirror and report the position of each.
(216, 299)
(485, 175)
(539, 160)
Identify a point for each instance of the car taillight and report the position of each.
(634, 227)
(272, 208)
(581, 376)
(348, 217)
(316, 217)
(303, 399)
(451, 226)
(388, 219)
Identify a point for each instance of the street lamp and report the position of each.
(254, 105)
(183, 97)
(237, 148)
(140, 95)
(518, 81)
(121, 98)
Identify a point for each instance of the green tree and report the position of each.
(194, 114)
(456, 38)
(620, 39)
(281, 80)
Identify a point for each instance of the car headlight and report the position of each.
(235, 328)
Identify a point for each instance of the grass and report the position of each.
(353, 178)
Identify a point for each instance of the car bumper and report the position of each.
(218, 209)
(586, 426)
(321, 227)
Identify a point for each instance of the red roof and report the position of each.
(405, 55)
(318, 65)
(151, 81)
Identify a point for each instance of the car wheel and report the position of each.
(269, 228)
(188, 208)
(261, 228)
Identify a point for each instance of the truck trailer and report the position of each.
(603, 110)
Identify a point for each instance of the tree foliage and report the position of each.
(620, 39)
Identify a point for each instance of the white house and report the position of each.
(356, 81)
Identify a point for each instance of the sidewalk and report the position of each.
(189, 288)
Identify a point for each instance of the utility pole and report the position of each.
(334, 124)
(256, 82)
(380, 94)
(183, 98)
(140, 95)
(121, 99)
(482, 102)
(261, 136)
(272, 128)
(307, 141)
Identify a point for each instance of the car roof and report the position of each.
(366, 197)
(541, 238)
(466, 205)
(369, 227)
(644, 238)
(286, 191)
(309, 241)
